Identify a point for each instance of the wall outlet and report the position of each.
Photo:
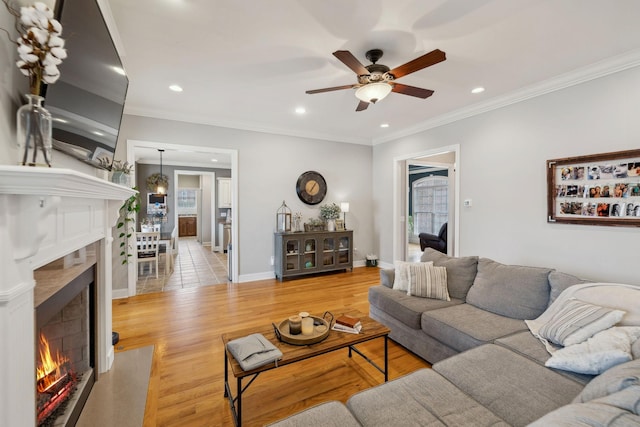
(272, 260)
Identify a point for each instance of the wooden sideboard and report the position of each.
(301, 253)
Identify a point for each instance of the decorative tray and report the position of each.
(321, 329)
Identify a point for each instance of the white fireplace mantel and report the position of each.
(45, 214)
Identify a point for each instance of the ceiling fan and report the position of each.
(376, 81)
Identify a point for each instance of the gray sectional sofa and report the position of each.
(488, 369)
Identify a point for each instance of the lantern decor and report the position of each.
(283, 218)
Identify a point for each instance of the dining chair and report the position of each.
(147, 250)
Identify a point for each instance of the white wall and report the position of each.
(269, 166)
(502, 169)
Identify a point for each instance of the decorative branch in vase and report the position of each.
(41, 50)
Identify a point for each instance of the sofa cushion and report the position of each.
(558, 282)
(525, 344)
(428, 281)
(329, 414)
(513, 387)
(464, 326)
(611, 381)
(405, 308)
(514, 291)
(460, 271)
(422, 398)
(616, 410)
(577, 321)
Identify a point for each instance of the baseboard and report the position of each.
(270, 274)
(119, 293)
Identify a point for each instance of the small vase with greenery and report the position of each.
(329, 213)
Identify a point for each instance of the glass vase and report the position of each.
(34, 133)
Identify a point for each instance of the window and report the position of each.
(187, 201)
(430, 204)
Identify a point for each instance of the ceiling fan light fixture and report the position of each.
(373, 92)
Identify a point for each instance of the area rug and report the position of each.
(118, 398)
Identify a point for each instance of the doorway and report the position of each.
(192, 156)
(426, 194)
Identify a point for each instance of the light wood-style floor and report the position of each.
(187, 375)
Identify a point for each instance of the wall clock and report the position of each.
(311, 187)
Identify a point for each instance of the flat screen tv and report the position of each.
(87, 102)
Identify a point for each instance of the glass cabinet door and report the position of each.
(344, 250)
(309, 254)
(328, 252)
(292, 249)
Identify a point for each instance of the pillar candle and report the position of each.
(307, 326)
(295, 325)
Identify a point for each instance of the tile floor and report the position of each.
(195, 265)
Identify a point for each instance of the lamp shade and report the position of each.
(344, 207)
(373, 92)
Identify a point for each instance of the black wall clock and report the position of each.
(311, 187)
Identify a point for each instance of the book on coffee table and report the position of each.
(347, 323)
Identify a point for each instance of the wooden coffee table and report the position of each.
(296, 353)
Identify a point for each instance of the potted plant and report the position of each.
(329, 213)
(120, 170)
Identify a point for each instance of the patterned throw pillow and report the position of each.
(428, 281)
(401, 278)
(578, 321)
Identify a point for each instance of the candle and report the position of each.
(307, 326)
(295, 325)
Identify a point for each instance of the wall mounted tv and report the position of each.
(87, 102)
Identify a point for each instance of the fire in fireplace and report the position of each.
(54, 378)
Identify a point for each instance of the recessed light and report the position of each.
(59, 120)
(384, 125)
(95, 132)
(119, 70)
(300, 110)
(477, 90)
(175, 88)
(214, 160)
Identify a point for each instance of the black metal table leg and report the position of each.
(386, 360)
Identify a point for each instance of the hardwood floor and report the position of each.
(185, 326)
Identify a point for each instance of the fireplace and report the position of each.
(66, 327)
(47, 214)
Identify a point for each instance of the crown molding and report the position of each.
(603, 68)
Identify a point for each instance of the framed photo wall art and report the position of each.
(598, 189)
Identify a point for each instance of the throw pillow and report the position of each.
(401, 279)
(597, 354)
(428, 281)
(576, 321)
(611, 381)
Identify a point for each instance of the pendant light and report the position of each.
(160, 188)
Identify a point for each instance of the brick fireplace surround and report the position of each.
(45, 214)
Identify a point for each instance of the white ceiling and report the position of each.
(247, 63)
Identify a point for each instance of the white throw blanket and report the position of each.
(611, 295)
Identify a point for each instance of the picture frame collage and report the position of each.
(601, 189)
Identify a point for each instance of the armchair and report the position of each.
(438, 242)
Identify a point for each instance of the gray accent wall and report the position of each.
(502, 169)
(268, 168)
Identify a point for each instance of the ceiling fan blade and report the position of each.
(412, 91)
(362, 106)
(329, 89)
(424, 61)
(351, 61)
